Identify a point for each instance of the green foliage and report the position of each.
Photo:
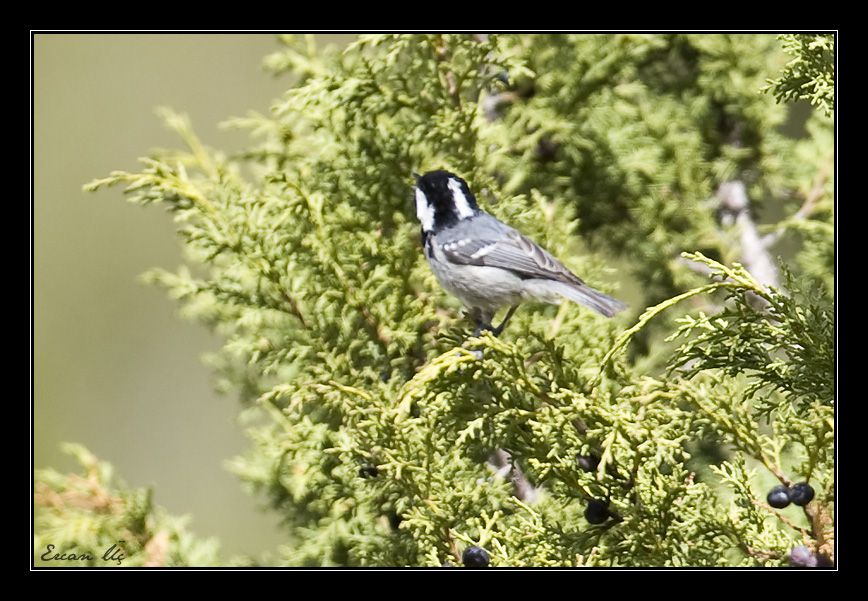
(372, 417)
(810, 74)
(86, 520)
(814, 222)
(644, 128)
(788, 347)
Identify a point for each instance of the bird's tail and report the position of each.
(589, 297)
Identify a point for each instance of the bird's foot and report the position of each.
(480, 328)
(483, 327)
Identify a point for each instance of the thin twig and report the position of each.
(803, 531)
(451, 81)
(294, 309)
(453, 547)
(758, 554)
(804, 211)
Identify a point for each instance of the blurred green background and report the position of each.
(114, 367)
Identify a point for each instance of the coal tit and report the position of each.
(485, 263)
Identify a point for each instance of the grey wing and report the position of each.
(510, 250)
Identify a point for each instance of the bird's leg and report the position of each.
(496, 331)
(483, 321)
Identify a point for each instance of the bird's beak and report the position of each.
(416, 175)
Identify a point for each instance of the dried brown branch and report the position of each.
(523, 489)
(735, 210)
(822, 528)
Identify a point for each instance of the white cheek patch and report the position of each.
(424, 211)
(461, 204)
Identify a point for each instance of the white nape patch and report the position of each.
(424, 211)
(461, 204)
(483, 251)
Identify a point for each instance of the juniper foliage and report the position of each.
(810, 74)
(374, 417)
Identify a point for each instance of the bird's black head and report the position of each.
(442, 200)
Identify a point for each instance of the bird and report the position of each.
(487, 264)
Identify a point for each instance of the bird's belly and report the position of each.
(487, 288)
